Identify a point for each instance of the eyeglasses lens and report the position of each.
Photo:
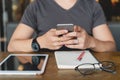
(86, 69)
(108, 66)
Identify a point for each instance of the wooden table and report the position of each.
(52, 73)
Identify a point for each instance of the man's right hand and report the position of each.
(52, 39)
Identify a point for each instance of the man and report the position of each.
(42, 16)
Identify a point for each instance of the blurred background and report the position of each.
(11, 12)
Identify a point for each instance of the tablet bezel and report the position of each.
(25, 72)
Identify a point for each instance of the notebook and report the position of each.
(68, 59)
(24, 64)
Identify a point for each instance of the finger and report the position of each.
(71, 34)
(75, 46)
(72, 46)
(62, 39)
(77, 28)
(61, 32)
(71, 42)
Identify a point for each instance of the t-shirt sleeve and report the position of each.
(98, 15)
(29, 16)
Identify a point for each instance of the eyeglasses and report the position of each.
(89, 68)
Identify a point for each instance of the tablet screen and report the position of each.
(24, 64)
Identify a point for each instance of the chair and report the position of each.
(115, 29)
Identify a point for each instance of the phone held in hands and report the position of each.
(69, 27)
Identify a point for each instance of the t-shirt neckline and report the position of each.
(61, 8)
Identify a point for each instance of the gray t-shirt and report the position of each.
(43, 15)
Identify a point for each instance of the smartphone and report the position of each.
(69, 27)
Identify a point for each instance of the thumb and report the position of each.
(77, 28)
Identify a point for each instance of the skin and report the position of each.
(101, 41)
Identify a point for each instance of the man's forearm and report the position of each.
(20, 45)
(103, 46)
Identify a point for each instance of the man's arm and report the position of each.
(103, 40)
(21, 39)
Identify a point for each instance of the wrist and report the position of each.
(35, 45)
(92, 43)
(41, 42)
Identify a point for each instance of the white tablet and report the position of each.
(24, 64)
